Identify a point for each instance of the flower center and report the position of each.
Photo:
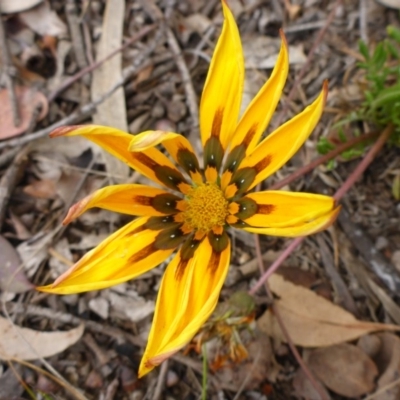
(206, 207)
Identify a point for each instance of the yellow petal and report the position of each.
(124, 255)
(150, 162)
(259, 112)
(177, 146)
(222, 93)
(129, 199)
(187, 297)
(275, 150)
(279, 209)
(303, 229)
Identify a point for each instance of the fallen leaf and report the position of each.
(12, 277)
(44, 189)
(390, 3)
(44, 21)
(12, 6)
(132, 309)
(344, 368)
(27, 99)
(28, 344)
(311, 320)
(303, 387)
(388, 362)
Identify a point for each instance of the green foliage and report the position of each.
(381, 88)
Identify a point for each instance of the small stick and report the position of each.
(8, 73)
(323, 159)
(285, 332)
(161, 381)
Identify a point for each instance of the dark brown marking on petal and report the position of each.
(217, 122)
(187, 160)
(266, 208)
(142, 254)
(189, 247)
(170, 177)
(263, 163)
(160, 223)
(214, 261)
(213, 153)
(218, 242)
(140, 228)
(247, 208)
(169, 238)
(145, 160)
(180, 269)
(243, 178)
(250, 134)
(234, 158)
(165, 203)
(240, 225)
(142, 200)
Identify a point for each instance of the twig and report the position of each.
(161, 381)
(282, 326)
(354, 176)
(68, 82)
(321, 160)
(8, 70)
(363, 20)
(306, 65)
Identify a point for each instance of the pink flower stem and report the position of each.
(353, 177)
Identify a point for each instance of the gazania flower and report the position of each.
(191, 217)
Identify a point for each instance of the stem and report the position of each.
(321, 160)
(204, 380)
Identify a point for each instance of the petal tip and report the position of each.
(283, 37)
(64, 130)
(325, 88)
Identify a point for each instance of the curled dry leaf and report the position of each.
(344, 368)
(28, 344)
(388, 361)
(311, 320)
(28, 100)
(12, 6)
(12, 277)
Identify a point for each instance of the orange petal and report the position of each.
(149, 162)
(222, 93)
(188, 295)
(124, 255)
(279, 209)
(302, 229)
(129, 199)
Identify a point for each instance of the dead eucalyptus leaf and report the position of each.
(344, 368)
(12, 6)
(12, 277)
(28, 344)
(311, 320)
(28, 100)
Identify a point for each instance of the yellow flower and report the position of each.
(192, 222)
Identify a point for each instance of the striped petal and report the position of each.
(150, 162)
(279, 209)
(302, 229)
(275, 150)
(177, 145)
(222, 93)
(129, 199)
(259, 112)
(124, 255)
(195, 284)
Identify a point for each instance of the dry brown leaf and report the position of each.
(311, 320)
(388, 362)
(12, 6)
(344, 368)
(12, 277)
(44, 189)
(44, 21)
(27, 99)
(28, 344)
(112, 111)
(303, 387)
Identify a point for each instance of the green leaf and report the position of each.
(363, 48)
